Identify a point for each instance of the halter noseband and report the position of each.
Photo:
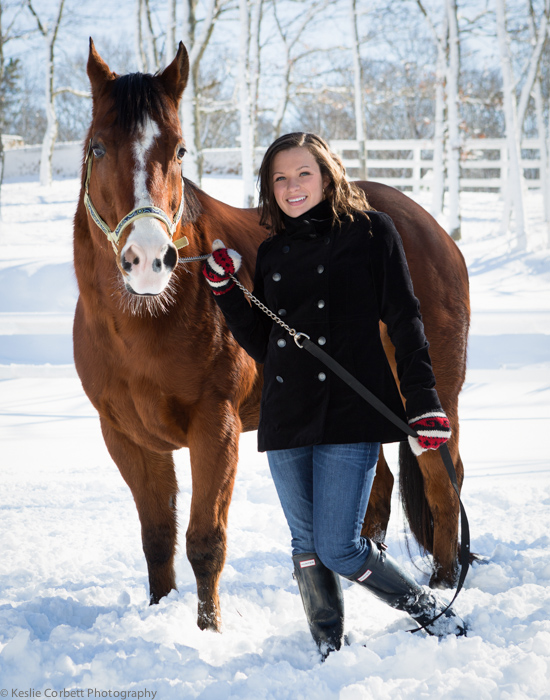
(139, 213)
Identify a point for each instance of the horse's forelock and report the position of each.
(136, 97)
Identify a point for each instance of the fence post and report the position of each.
(416, 169)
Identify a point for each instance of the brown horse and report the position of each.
(153, 352)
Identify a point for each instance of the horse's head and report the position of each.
(133, 180)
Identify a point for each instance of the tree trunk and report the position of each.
(283, 101)
(170, 47)
(514, 194)
(245, 106)
(190, 113)
(534, 62)
(140, 52)
(153, 62)
(51, 122)
(438, 177)
(2, 125)
(255, 26)
(454, 144)
(51, 118)
(539, 112)
(544, 156)
(360, 126)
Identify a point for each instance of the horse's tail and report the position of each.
(415, 506)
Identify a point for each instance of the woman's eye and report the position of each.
(305, 173)
(278, 179)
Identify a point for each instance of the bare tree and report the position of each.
(514, 187)
(538, 39)
(170, 44)
(541, 126)
(441, 38)
(196, 35)
(146, 41)
(9, 75)
(247, 153)
(50, 36)
(360, 123)
(250, 12)
(453, 164)
(290, 34)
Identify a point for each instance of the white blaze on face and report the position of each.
(141, 148)
(148, 243)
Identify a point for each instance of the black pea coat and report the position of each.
(335, 284)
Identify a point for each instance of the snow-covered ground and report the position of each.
(74, 614)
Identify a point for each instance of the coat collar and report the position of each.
(312, 224)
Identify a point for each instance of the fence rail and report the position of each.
(408, 164)
(403, 163)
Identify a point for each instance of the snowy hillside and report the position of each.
(74, 611)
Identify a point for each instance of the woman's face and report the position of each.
(297, 181)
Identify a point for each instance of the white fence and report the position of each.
(24, 161)
(406, 164)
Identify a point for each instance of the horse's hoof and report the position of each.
(211, 623)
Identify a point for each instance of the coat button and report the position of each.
(281, 342)
(282, 312)
(321, 376)
(322, 340)
(326, 240)
(276, 276)
(320, 269)
(286, 248)
(280, 379)
(321, 304)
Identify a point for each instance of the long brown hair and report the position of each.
(345, 199)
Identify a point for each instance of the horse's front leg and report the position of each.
(152, 481)
(213, 443)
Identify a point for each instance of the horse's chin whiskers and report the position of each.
(143, 306)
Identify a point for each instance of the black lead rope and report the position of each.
(303, 341)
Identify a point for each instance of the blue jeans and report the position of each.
(324, 491)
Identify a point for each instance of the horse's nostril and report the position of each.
(157, 265)
(136, 261)
(171, 258)
(127, 266)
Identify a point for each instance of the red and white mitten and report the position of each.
(433, 430)
(218, 266)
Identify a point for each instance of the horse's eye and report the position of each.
(98, 150)
(181, 152)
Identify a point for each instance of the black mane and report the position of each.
(137, 96)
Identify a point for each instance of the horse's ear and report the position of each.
(174, 77)
(99, 72)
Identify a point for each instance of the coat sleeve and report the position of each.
(400, 310)
(248, 324)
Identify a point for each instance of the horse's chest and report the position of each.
(147, 413)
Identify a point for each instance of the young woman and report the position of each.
(332, 269)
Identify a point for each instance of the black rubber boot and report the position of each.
(383, 576)
(323, 601)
